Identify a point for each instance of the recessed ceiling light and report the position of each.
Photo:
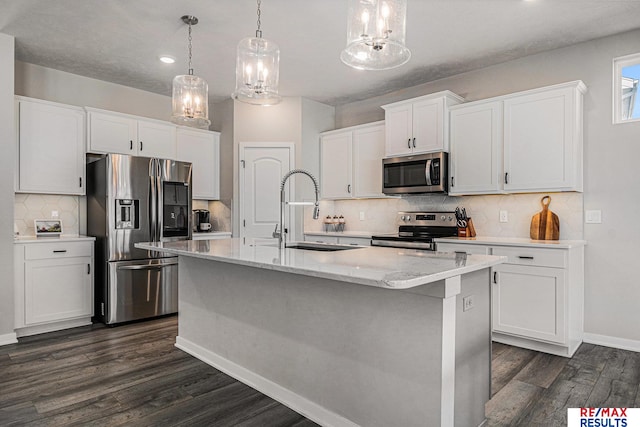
(167, 59)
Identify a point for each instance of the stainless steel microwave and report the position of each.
(422, 173)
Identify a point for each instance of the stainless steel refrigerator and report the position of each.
(130, 200)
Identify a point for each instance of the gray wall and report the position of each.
(612, 176)
(7, 166)
(58, 86)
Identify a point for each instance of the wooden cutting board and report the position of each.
(545, 225)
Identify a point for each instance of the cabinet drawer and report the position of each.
(463, 248)
(362, 241)
(320, 239)
(57, 250)
(533, 256)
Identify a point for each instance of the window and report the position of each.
(626, 102)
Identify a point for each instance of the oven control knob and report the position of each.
(450, 218)
(443, 217)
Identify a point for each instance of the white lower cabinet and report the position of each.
(537, 295)
(53, 285)
(344, 240)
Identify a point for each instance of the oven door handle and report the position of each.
(427, 172)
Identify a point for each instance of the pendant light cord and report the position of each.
(259, 31)
(190, 67)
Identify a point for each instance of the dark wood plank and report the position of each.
(611, 393)
(507, 364)
(512, 400)
(623, 365)
(542, 370)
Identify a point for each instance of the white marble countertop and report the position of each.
(372, 266)
(363, 234)
(513, 241)
(211, 234)
(52, 239)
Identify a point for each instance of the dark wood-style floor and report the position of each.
(133, 375)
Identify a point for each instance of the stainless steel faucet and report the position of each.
(281, 235)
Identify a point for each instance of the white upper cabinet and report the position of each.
(351, 162)
(476, 148)
(523, 142)
(50, 147)
(336, 154)
(543, 140)
(202, 149)
(419, 125)
(110, 132)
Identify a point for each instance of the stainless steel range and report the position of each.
(416, 230)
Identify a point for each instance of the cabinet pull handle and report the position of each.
(80, 178)
(88, 268)
(452, 182)
(349, 188)
(525, 257)
(495, 277)
(409, 143)
(131, 144)
(506, 177)
(414, 143)
(59, 251)
(140, 145)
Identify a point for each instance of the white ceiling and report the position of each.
(120, 40)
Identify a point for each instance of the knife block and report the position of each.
(468, 231)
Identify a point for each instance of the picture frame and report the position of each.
(47, 227)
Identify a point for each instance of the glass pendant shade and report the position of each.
(257, 71)
(376, 35)
(190, 101)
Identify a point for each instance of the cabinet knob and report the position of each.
(414, 143)
(349, 188)
(409, 143)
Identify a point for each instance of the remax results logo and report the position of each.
(603, 417)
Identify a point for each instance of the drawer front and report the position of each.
(362, 241)
(320, 239)
(462, 248)
(57, 250)
(533, 256)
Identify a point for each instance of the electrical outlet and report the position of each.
(504, 216)
(467, 302)
(593, 217)
(54, 214)
(361, 216)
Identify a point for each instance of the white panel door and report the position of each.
(51, 149)
(156, 139)
(111, 133)
(368, 151)
(335, 165)
(539, 141)
(428, 132)
(398, 125)
(58, 289)
(264, 167)
(476, 149)
(529, 302)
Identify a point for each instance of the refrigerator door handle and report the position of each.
(143, 267)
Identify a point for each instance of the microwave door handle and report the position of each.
(427, 172)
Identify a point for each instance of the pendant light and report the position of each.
(190, 93)
(376, 35)
(257, 69)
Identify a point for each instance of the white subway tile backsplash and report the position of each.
(381, 213)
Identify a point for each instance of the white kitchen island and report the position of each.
(369, 336)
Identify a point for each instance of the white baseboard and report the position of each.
(6, 339)
(615, 342)
(304, 406)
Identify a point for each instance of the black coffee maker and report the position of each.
(201, 221)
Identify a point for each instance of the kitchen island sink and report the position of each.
(323, 247)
